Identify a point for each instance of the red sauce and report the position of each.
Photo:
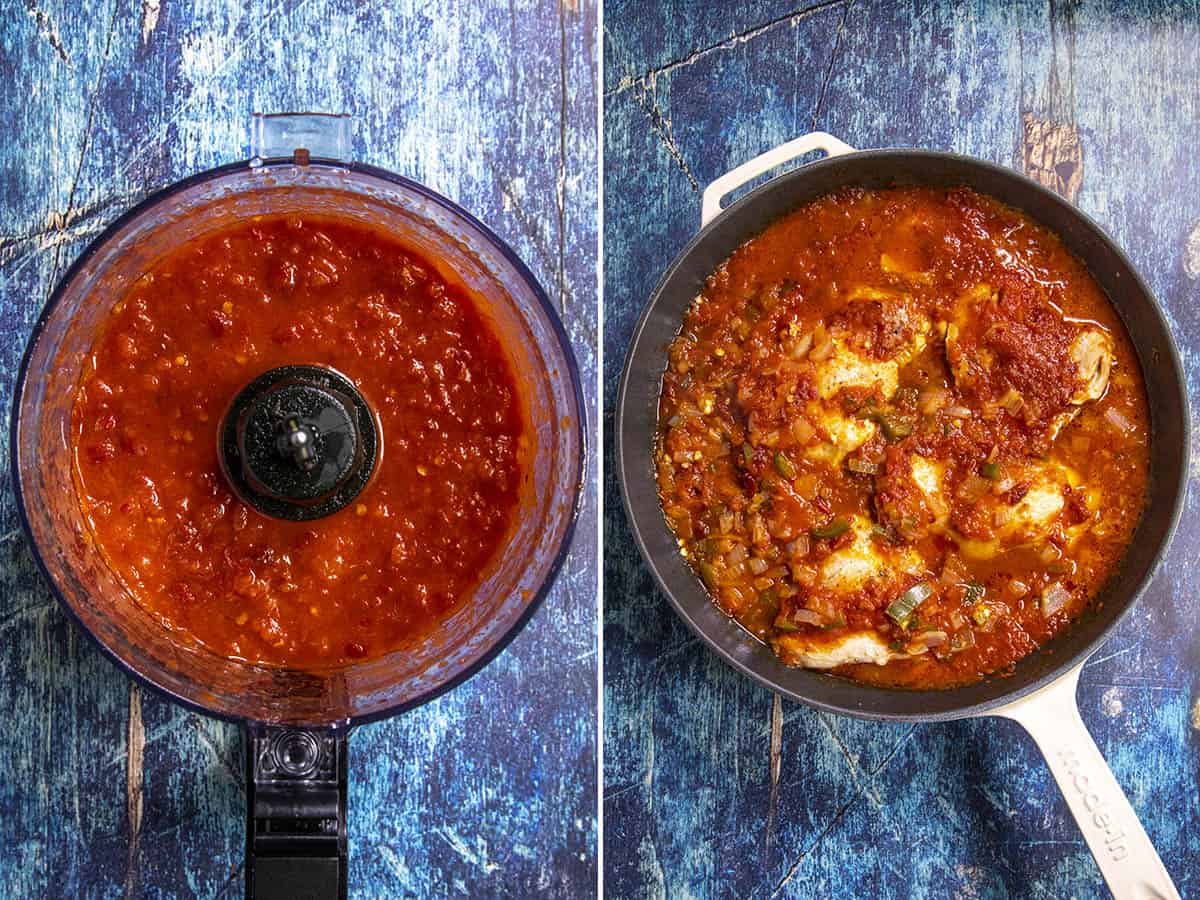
(203, 322)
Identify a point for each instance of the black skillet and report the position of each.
(1041, 692)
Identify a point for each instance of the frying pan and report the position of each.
(1040, 693)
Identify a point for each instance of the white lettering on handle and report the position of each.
(1114, 837)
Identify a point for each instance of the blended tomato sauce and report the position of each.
(380, 574)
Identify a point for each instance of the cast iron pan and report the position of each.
(637, 412)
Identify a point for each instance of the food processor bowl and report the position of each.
(469, 255)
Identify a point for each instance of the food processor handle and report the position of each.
(732, 180)
(1127, 860)
(295, 813)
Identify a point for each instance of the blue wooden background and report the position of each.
(107, 791)
(713, 786)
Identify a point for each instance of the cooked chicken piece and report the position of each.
(839, 434)
(890, 264)
(841, 576)
(819, 650)
(871, 359)
(1010, 347)
(1092, 352)
(1032, 504)
(910, 496)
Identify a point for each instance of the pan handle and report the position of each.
(748, 171)
(1127, 860)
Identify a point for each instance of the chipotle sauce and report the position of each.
(205, 320)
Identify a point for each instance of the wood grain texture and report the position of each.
(488, 791)
(713, 788)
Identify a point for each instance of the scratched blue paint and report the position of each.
(489, 791)
(867, 810)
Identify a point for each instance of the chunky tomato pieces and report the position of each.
(378, 575)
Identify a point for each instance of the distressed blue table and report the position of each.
(713, 786)
(106, 790)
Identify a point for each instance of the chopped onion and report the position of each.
(954, 571)
(1117, 419)
(1016, 589)
(1054, 598)
(962, 640)
(802, 431)
(736, 555)
(799, 547)
(821, 353)
(822, 344)
(758, 565)
(958, 412)
(932, 638)
(931, 400)
(802, 346)
(973, 487)
(807, 617)
(1049, 554)
(861, 466)
(1012, 401)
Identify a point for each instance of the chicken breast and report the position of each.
(823, 651)
(910, 495)
(1029, 509)
(837, 583)
(867, 359)
(1009, 346)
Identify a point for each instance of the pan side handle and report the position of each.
(1127, 860)
(763, 163)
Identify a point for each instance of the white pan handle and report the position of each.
(1111, 828)
(732, 180)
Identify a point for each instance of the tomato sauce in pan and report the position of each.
(207, 319)
(903, 436)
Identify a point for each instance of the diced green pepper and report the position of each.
(784, 466)
(990, 471)
(895, 426)
(974, 593)
(833, 529)
(901, 609)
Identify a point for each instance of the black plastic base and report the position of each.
(295, 813)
